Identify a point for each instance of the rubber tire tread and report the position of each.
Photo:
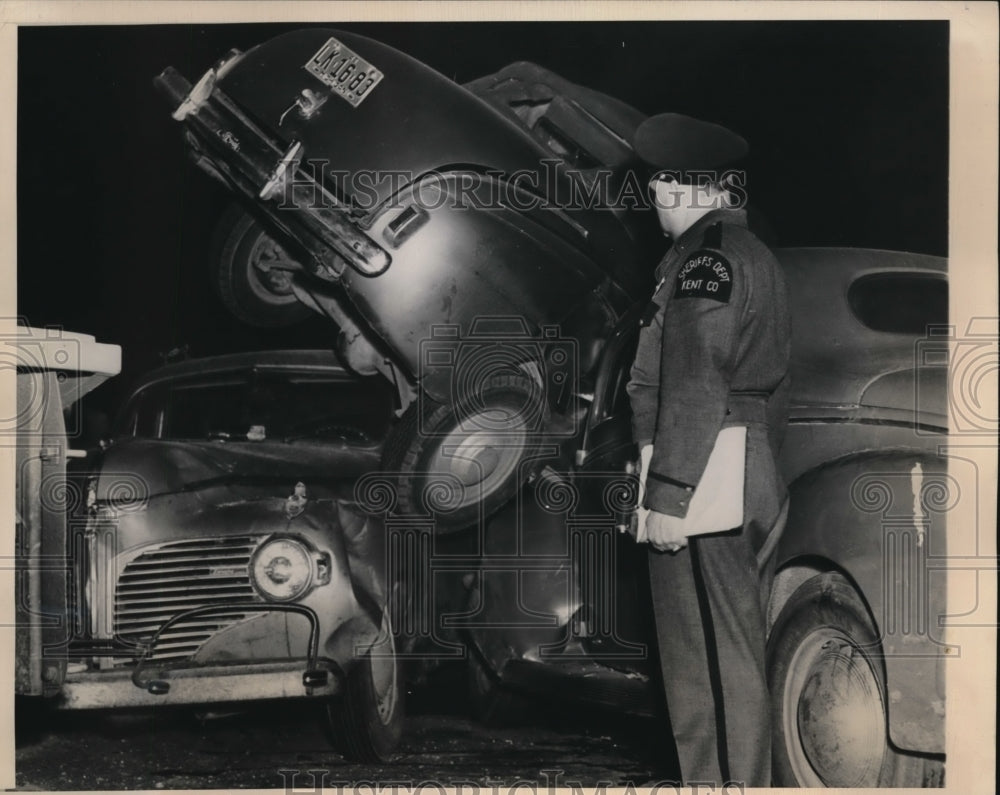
(355, 728)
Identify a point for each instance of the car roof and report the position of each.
(836, 357)
(852, 261)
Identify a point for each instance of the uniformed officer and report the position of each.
(713, 352)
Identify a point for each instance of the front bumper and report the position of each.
(154, 681)
(197, 685)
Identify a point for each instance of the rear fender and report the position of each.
(459, 265)
(880, 519)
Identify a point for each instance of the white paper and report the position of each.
(717, 502)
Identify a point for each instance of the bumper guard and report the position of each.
(311, 678)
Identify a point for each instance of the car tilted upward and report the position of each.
(493, 199)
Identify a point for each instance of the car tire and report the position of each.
(366, 722)
(493, 704)
(827, 685)
(461, 462)
(241, 248)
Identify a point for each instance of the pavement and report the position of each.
(283, 746)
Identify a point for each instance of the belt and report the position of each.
(747, 407)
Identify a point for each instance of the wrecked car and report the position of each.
(506, 319)
(450, 250)
(216, 554)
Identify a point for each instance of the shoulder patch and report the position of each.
(705, 274)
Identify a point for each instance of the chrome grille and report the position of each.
(181, 575)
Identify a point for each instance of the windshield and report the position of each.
(255, 405)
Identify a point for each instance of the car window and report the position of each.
(900, 303)
(196, 409)
(262, 406)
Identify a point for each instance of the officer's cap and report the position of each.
(674, 142)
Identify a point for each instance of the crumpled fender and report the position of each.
(349, 608)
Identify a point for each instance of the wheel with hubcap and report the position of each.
(253, 272)
(462, 462)
(827, 685)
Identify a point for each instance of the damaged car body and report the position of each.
(459, 244)
(216, 554)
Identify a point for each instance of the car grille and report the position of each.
(170, 578)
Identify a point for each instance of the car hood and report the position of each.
(140, 469)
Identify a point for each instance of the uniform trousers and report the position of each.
(709, 603)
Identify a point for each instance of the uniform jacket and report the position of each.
(713, 351)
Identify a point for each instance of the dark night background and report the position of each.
(848, 125)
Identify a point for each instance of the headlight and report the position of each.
(282, 570)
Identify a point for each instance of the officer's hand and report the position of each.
(665, 533)
(642, 513)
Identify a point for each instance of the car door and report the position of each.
(614, 583)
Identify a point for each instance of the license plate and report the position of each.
(344, 71)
